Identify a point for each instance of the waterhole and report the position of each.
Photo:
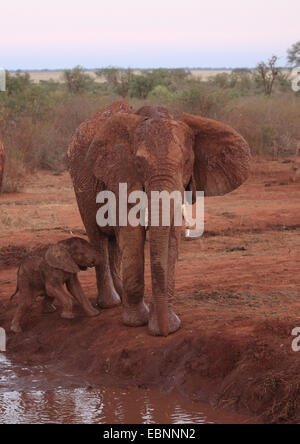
(34, 396)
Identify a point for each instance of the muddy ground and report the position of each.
(238, 295)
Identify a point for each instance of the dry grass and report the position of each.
(270, 125)
(31, 220)
(14, 175)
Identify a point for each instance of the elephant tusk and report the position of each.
(191, 233)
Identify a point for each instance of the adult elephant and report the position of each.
(150, 151)
(2, 160)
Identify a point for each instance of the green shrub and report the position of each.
(141, 86)
(172, 79)
(161, 93)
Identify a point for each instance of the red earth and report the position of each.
(238, 295)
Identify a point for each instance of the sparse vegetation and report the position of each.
(294, 54)
(118, 81)
(37, 120)
(269, 73)
(77, 80)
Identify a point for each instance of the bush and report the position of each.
(14, 175)
(77, 81)
(119, 81)
(141, 86)
(161, 93)
(52, 138)
(22, 97)
(270, 125)
(171, 79)
(200, 98)
(37, 121)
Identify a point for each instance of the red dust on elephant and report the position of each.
(150, 151)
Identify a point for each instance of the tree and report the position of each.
(171, 79)
(141, 86)
(294, 55)
(110, 74)
(77, 80)
(119, 80)
(124, 82)
(268, 73)
(23, 98)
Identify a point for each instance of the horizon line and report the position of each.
(224, 68)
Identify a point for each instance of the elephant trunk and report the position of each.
(159, 255)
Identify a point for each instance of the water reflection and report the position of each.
(34, 395)
(105, 406)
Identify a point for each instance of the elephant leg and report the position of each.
(132, 244)
(174, 321)
(25, 301)
(76, 290)
(107, 294)
(58, 292)
(115, 258)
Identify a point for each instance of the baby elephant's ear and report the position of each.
(58, 257)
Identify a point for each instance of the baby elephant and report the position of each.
(44, 273)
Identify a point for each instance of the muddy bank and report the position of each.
(244, 366)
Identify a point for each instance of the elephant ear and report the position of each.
(59, 257)
(222, 156)
(112, 149)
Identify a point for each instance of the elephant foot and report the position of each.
(67, 315)
(92, 312)
(108, 299)
(135, 315)
(174, 323)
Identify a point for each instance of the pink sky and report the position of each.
(192, 33)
